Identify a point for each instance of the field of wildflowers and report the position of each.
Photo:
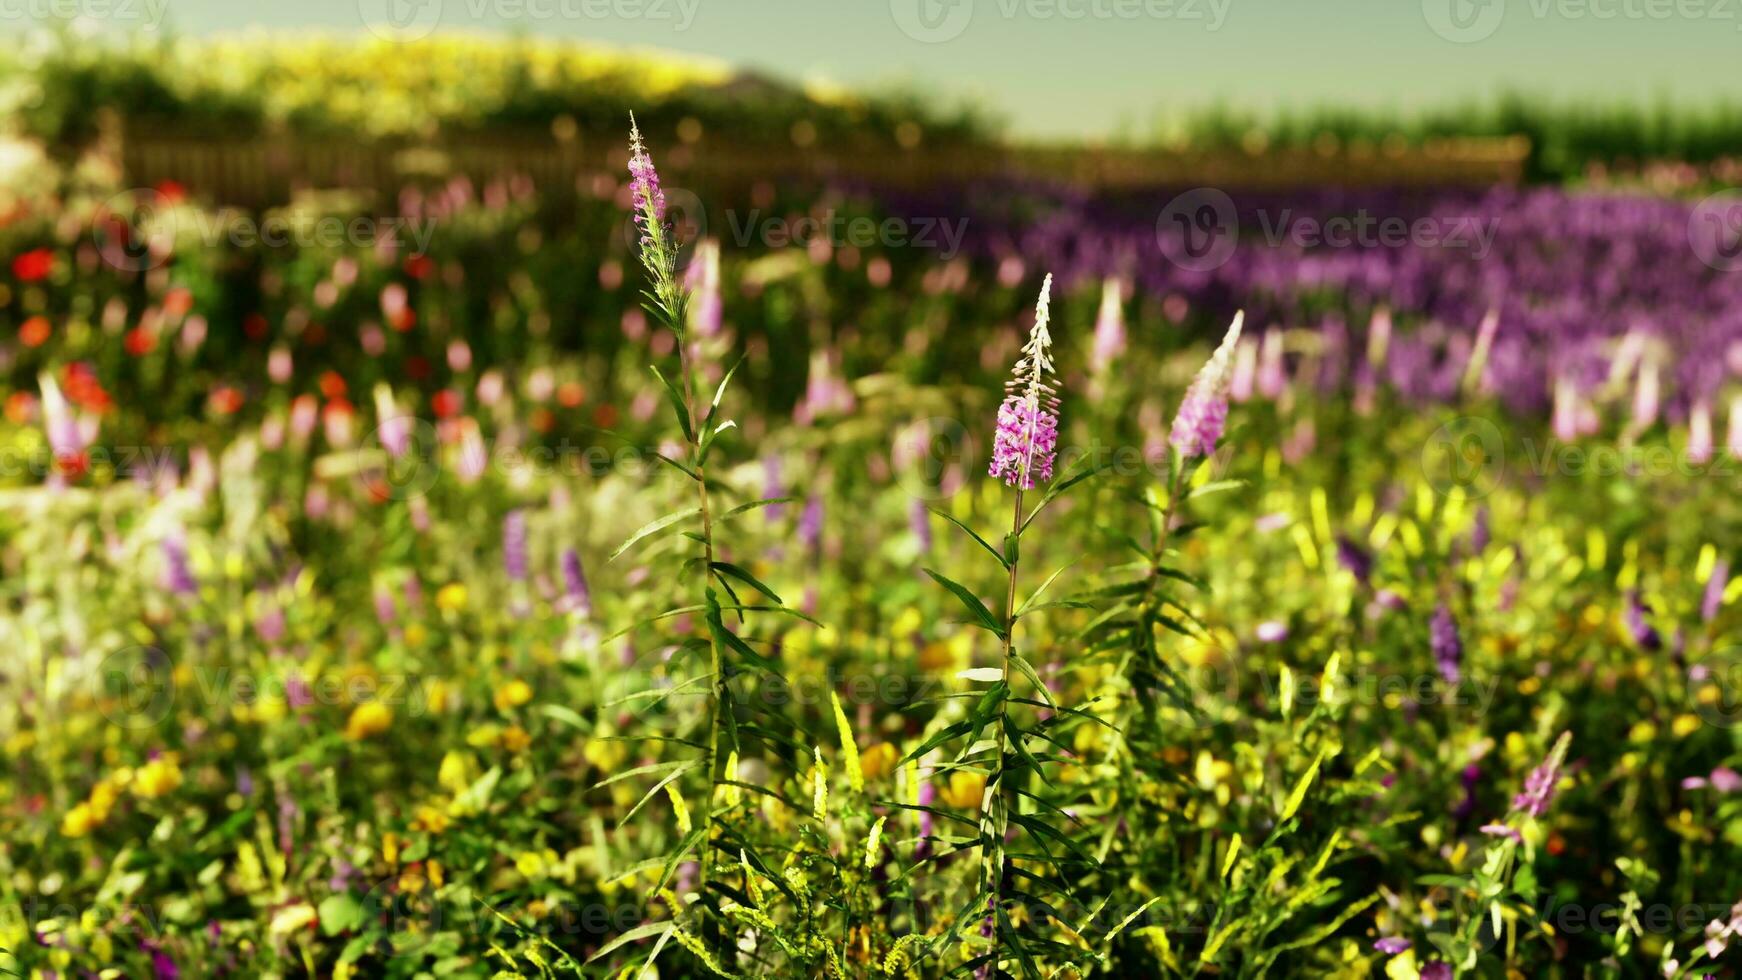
(1130, 585)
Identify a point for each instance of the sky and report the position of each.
(1087, 69)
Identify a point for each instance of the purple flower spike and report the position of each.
(1027, 435)
(1539, 786)
(646, 197)
(1391, 945)
(1204, 412)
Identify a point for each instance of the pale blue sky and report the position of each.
(1077, 68)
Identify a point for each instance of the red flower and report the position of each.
(178, 301)
(226, 400)
(446, 403)
(171, 191)
(332, 385)
(34, 331)
(33, 265)
(139, 342)
(21, 408)
(418, 266)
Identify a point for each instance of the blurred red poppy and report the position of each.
(34, 331)
(139, 341)
(446, 403)
(33, 265)
(225, 400)
(21, 408)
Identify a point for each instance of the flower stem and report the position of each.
(717, 682)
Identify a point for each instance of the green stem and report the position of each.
(717, 683)
(994, 812)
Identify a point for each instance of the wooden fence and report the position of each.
(264, 171)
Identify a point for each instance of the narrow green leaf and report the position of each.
(652, 528)
(978, 609)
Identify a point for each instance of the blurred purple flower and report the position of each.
(1447, 645)
(1714, 597)
(177, 576)
(514, 544)
(580, 595)
(1644, 634)
(1354, 559)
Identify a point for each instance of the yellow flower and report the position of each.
(485, 736)
(455, 773)
(964, 790)
(415, 633)
(879, 760)
(515, 738)
(292, 918)
(451, 597)
(79, 821)
(604, 754)
(431, 819)
(156, 778)
(368, 719)
(512, 695)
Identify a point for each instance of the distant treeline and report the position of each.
(60, 92)
(1566, 140)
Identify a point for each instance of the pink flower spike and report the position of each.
(646, 197)
(1027, 435)
(1204, 411)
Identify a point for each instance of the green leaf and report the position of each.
(341, 913)
(1028, 604)
(982, 542)
(1300, 789)
(678, 407)
(1215, 487)
(566, 715)
(981, 614)
(639, 932)
(754, 504)
(745, 577)
(652, 528)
